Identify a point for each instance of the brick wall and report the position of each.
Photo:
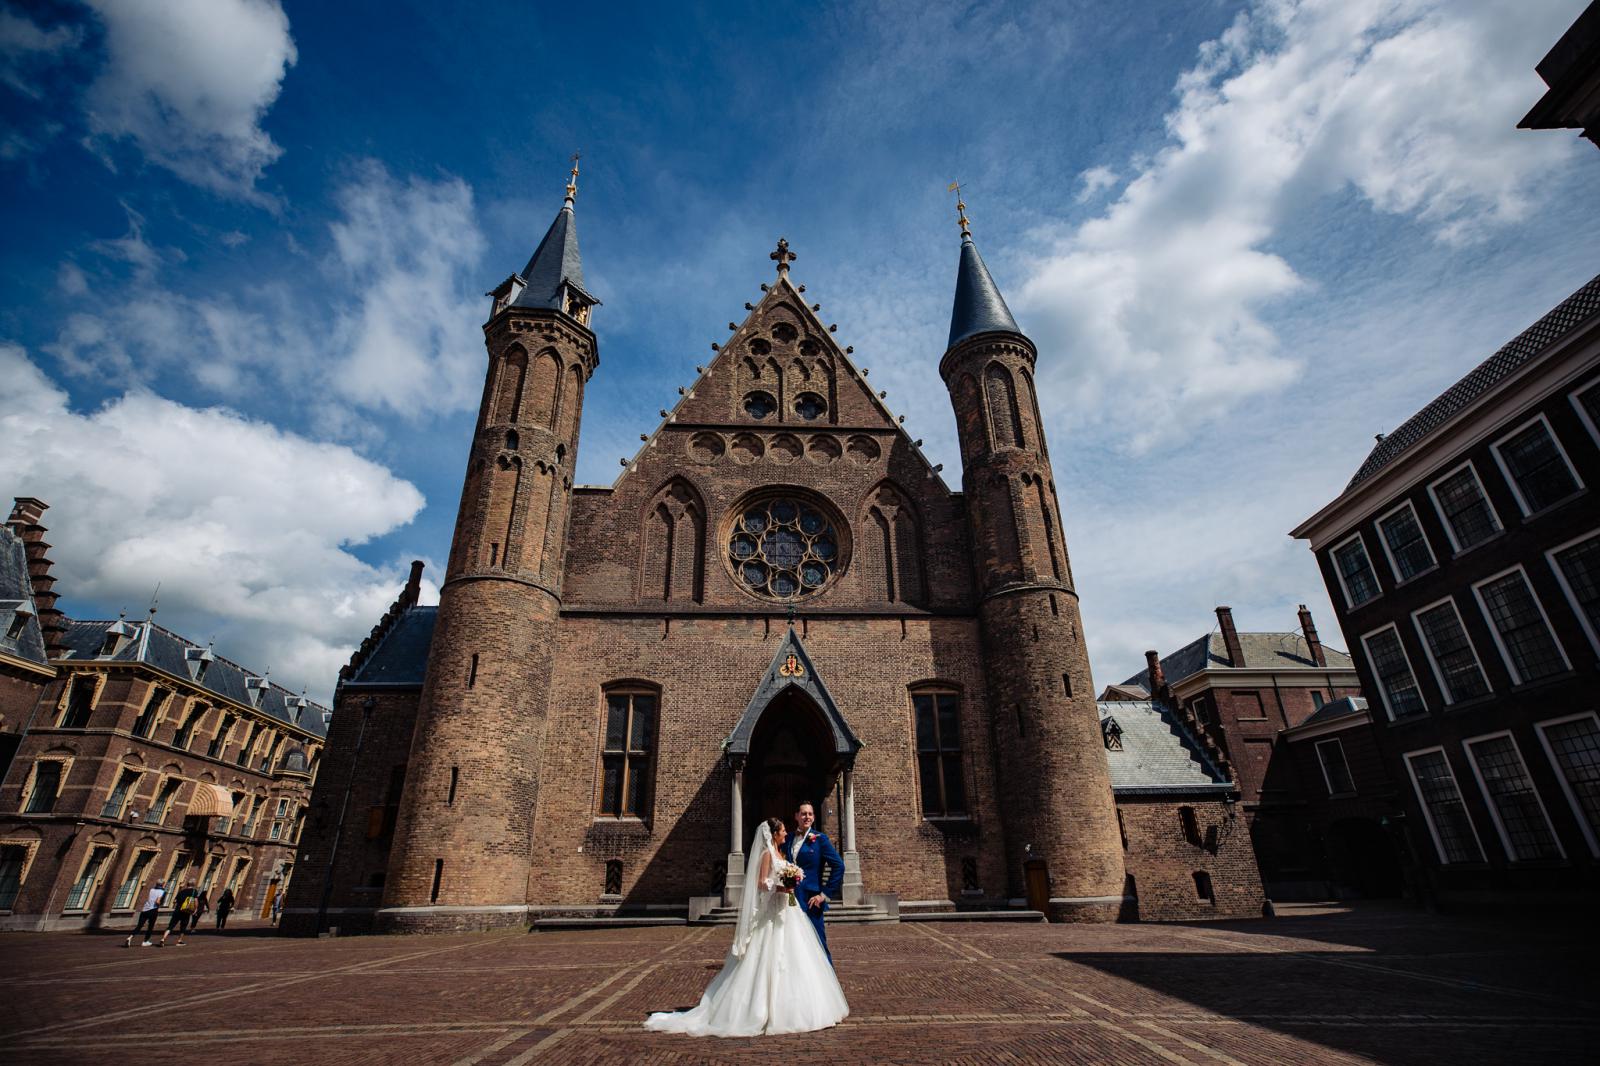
(1162, 861)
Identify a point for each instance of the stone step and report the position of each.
(623, 921)
(838, 912)
(972, 916)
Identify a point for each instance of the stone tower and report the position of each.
(464, 830)
(1054, 788)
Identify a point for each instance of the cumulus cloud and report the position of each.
(189, 81)
(1408, 102)
(246, 527)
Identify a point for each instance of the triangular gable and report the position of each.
(791, 668)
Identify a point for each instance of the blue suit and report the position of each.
(815, 850)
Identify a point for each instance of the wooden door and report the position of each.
(1037, 876)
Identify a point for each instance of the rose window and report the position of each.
(810, 406)
(784, 548)
(759, 404)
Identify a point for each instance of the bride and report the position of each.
(776, 978)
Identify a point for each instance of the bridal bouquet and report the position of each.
(789, 875)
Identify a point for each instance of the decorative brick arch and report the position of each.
(894, 562)
(672, 544)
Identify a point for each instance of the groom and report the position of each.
(809, 849)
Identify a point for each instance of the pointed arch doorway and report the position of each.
(791, 762)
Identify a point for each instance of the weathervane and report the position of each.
(572, 182)
(961, 209)
(783, 257)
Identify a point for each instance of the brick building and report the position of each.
(1463, 559)
(779, 599)
(142, 756)
(25, 583)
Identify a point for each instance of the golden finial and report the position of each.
(572, 182)
(961, 209)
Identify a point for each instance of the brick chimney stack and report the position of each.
(24, 522)
(1230, 637)
(1312, 643)
(1158, 677)
(413, 589)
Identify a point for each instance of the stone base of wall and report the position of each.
(342, 921)
(452, 919)
(1097, 909)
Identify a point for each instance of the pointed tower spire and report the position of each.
(553, 278)
(979, 307)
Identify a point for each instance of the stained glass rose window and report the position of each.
(784, 547)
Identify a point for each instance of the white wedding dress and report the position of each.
(776, 978)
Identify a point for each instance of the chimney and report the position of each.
(1158, 678)
(1230, 637)
(24, 522)
(414, 585)
(1312, 643)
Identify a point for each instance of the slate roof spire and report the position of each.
(979, 307)
(553, 278)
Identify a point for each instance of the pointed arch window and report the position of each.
(628, 751)
(937, 713)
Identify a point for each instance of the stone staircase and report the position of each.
(837, 912)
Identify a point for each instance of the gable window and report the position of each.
(1448, 823)
(163, 801)
(126, 781)
(1350, 561)
(147, 717)
(1335, 771)
(129, 889)
(630, 742)
(938, 724)
(1404, 542)
(20, 614)
(1396, 683)
(13, 863)
(83, 888)
(1577, 567)
(80, 703)
(1455, 663)
(1573, 745)
(44, 787)
(1514, 803)
(1536, 466)
(1468, 516)
(1521, 630)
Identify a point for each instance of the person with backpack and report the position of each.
(184, 912)
(148, 914)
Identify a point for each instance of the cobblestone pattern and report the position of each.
(1328, 986)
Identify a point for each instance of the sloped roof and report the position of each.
(1566, 317)
(16, 585)
(165, 650)
(1262, 651)
(979, 307)
(1354, 707)
(1158, 755)
(555, 261)
(780, 676)
(401, 658)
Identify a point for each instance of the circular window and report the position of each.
(759, 404)
(784, 547)
(810, 406)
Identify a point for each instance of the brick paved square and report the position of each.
(1374, 985)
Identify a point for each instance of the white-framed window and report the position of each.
(283, 808)
(89, 877)
(126, 785)
(1397, 683)
(1521, 628)
(1455, 661)
(1577, 567)
(1455, 838)
(1536, 466)
(43, 787)
(1587, 401)
(1404, 543)
(1514, 804)
(1335, 770)
(1573, 746)
(1356, 576)
(128, 891)
(1469, 518)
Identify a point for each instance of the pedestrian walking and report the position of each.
(224, 905)
(202, 907)
(277, 907)
(183, 914)
(148, 914)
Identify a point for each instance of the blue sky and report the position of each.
(247, 245)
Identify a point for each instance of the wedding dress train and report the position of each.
(776, 978)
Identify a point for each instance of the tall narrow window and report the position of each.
(128, 891)
(1518, 813)
(438, 879)
(1355, 572)
(944, 792)
(1536, 467)
(119, 793)
(472, 671)
(1577, 567)
(163, 801)
(147, 717)
(1455, 664)
(629, 745)
(80, 703)
(455, 779)
(1335, 771)
(1446, 814)
(1587, 401)
(83, 887)
(1573, 745)
(1409, 554)
(249, 743)
(220, 741)
(1520, 627)
(185, 734)
(211, 873)
(1202, 887)
(1468, 517)
(1392, 669)
(13, 857)
(45, 788)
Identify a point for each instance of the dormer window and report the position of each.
(296, 707)
(197, 660)
(506, 294)
(1112, 732)
(255, 687)
(117, 636)
(18, 621)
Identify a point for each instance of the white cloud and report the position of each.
(246, 526)
(25, 47)
(1412, 103)
(1095, 181)
(189, 82)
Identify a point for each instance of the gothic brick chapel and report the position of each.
(778, 600)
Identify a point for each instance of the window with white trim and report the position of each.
(1521, 629)
(1448, 822)
(1518, 812)
(129, 889)
(1587, 401)
(1455, 661)
(163, 801)
(1335, 771)
(127, 781)
(1468, 516)
(1536, 466)
(93, 868)
(44, 786)
(1404, 542)
(1355, 572)
(1396, 683)
(1573, 745)
(1577, 567)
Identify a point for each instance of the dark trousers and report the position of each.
(816, 915)
(147, 922)
(222, 918)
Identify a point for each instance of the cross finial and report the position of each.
(783, 256)
(961, 209)
(572, 181)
